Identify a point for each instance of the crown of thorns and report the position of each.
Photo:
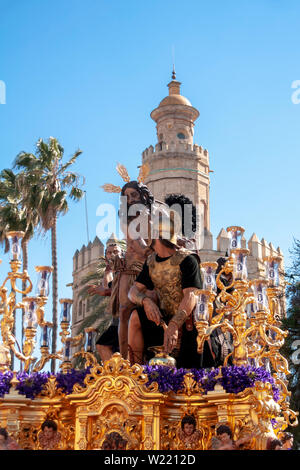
(143, 173)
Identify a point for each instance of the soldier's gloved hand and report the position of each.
(170, 337)
(152, 311)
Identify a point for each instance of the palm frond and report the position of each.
(25, 161)
(76, 193)
(72, 160)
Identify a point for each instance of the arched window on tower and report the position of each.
(181, 135)
(160, 141)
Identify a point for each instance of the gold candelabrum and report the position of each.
(247, 309)
(67, 341)
(87, 353)
(32, 306)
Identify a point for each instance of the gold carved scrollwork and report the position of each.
(50, 389)
(82, 442)
(114, 371)
(148, 442)
(115, 419)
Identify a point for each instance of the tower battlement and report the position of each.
(88, 255)
(195, 151)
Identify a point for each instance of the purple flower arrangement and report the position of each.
(168, 379)
(67, 381)
(31, 385)
(233, 379)
(206, 378)
(5, 379)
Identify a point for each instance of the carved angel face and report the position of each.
(224, 438)
(188, 429)
(49, 433)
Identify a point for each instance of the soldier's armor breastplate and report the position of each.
(166, 277)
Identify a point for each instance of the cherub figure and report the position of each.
(188, 433)
(49, 437)
(224, 439)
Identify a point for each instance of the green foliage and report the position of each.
(292, 324)
(97, 305)
(13, 216)
(98, 316)
(50, 183)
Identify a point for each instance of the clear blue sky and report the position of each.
(90, 72)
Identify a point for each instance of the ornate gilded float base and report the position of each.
(115, 398)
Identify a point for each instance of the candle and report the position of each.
(30, 312)
(240, 272)
(44, 273)
(201, 308)
(235, 237)
(65, 316)
(15, 245)
(260, 297)
(208, 271)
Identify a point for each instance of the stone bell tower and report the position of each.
(177, 165)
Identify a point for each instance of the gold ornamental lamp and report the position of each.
(272, 265)
(89, 347)
(44, 273)
(68, 341)
(15, 239)
(254, 337)
(33, 309)
(208, 272)
(235, 237)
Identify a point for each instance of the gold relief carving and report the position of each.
(115, 371)
(50, 389)
(190, 385)
(148, 443)
(152, 388)
(263, 408)
(168, 435)
(69, 437)
(244, 429)
(82, 442)
(28, 437)
(115, 419)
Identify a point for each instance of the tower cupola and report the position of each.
(175, 117)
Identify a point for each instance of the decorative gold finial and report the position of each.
(173, 73)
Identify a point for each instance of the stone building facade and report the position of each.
(85, 261)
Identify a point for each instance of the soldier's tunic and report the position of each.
(168, 277)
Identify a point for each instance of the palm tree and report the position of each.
(51, 184)
(14, 217)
